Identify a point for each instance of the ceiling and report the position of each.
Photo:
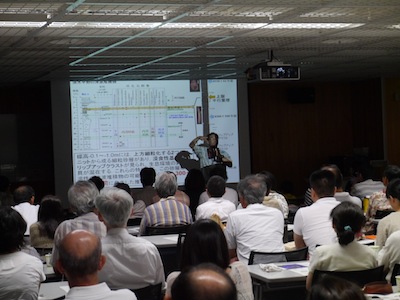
(181, 39)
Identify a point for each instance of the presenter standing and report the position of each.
(210, 156)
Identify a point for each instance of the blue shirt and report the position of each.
(202, 154)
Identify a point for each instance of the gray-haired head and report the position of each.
(252, 188)
(115, 205)
(81, 196)
(166, 184)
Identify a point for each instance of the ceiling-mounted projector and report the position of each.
(279, 72)
(273, 71)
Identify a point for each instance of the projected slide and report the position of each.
(120, 127)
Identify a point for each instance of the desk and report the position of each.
(51, 276)
(53, 290)
(286, 279)
(163, 241)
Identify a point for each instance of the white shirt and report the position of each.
(131, 262)
(98, 292)
(366, 188)
(257, 227)
(314, 223)
(345, 196)
(29, 212)
(20, 276)
(390, 253)
(336, 257)
(230, 194)
(219, 206)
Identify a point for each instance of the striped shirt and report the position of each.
(165, 212)
(89, 222)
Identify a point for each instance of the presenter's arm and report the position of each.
(196, 139)
(227, 162)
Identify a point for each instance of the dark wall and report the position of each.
(392, 120)
(26, 112)
(292, 140)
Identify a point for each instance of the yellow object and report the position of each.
(365, 204)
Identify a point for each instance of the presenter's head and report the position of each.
(212, 139)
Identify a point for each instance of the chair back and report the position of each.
(257, 257)
(179, 247)
(43, 251)
(167, 229)
(380, 214)
(134, 222)
(395, 272)
(360, 277)
(151, 292)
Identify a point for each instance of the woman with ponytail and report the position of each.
(347, 254)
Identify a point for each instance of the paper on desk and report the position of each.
(270, 268)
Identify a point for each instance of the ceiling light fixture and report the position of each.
(312, 25)
(13, 24)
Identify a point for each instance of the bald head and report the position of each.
(205, 281)
(80, 254)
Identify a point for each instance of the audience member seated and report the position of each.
(205, 281)
(179, 195)
(6, 197)
(216, 204)
(98, 182)
(132, 262)
(205, 243)
(256, 226)
(365, 186)
(230, 194)
(390, 253)
(312, 225)
(138, 206)
(20, 273)
(195, 185)
(24, 197)
(390, 223)
(347, 254)
(378, 200)
(80, 260)
(81, 197)
(50, 216)
(340, 194)
(335, 288)
(146, 194)
(168, 211)
(272, 196)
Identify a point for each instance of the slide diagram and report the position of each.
(145, 115)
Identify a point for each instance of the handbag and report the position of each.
(378, 287)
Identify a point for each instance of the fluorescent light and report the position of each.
(21, 24)
(325, 15)
(186, 25)
(312, 25)
(103, 25)
(214, 25)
